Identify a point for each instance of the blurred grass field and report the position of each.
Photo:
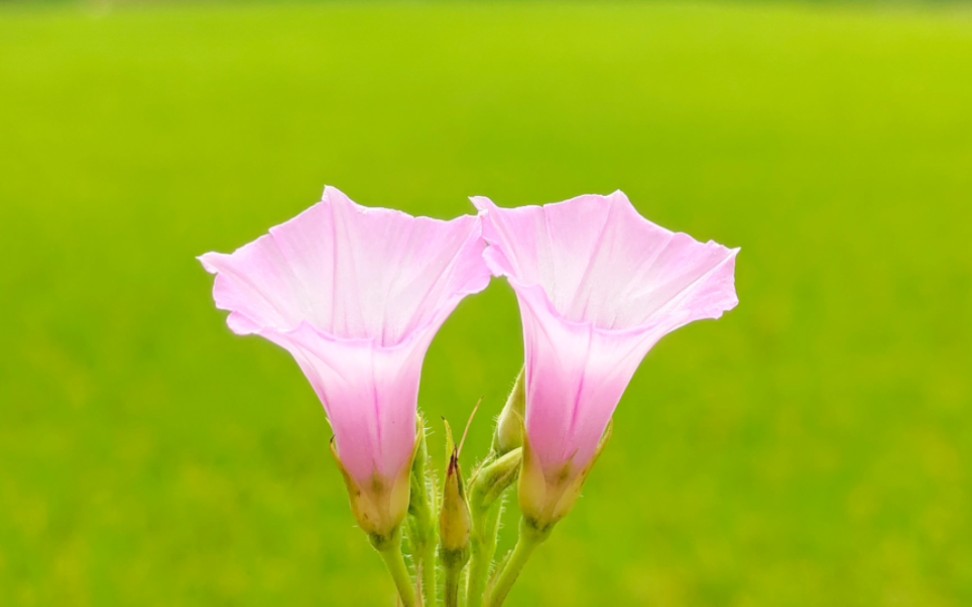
(812, 448)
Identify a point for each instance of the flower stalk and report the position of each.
(487, 487)
(483, 542)
(494, 476)
(390, 549)
(530, 537)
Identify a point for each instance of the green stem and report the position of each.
(391, 551)
(483, 546)
(487, 487)
(452, 577)
(530, 537)
(428, 574)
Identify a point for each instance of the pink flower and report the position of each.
(356, 295)
(598, 285)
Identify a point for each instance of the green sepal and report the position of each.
(546, 499)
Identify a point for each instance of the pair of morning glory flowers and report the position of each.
(356, 295)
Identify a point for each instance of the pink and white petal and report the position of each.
(600, 262)
(255, 286)
(356, 295)
(369, 393)
(598, 286)
(573, 249)
(352, 272)
(397, 273)
(575, 377)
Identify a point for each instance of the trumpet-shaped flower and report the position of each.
(598, 285)
(356, 295)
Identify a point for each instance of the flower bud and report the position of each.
(455, 521)
(509, 425)
(493, 478)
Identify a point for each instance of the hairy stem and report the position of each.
(483, 544)
(452, 577)
(390, 550)
(530, 537)
(427, 574)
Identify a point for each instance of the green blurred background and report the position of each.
(811, 448)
